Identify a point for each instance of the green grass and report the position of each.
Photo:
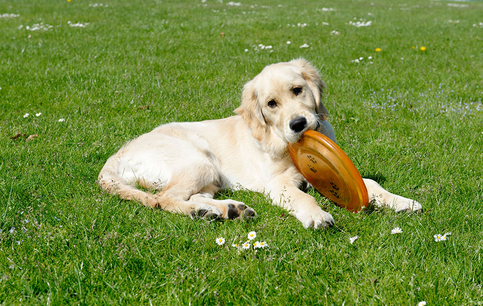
(412, 119)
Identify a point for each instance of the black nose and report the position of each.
(298, 124)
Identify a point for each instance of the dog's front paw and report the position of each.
(316, 220)
(398, 203)
(405, 204)
(381, 197)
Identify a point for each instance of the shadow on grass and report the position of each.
(378, 177)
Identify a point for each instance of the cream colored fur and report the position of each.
(187, 163)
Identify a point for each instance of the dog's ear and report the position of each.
(251, 111)
(316, 84)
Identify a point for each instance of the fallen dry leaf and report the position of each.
(18, 136)
(24, 136)
(32, 136)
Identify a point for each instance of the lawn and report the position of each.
(78, 79)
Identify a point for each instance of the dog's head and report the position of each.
(282, 102)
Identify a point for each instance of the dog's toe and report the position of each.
(249, 213)
(317, 220)
(206, 212)
(324, 222)
(415, 206)
(408, 205)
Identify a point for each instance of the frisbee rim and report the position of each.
(310, 142)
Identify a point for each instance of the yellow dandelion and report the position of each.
(378, 49)
(423, 48)
(414, 47)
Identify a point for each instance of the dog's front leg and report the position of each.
(301, 205)
(381, 197)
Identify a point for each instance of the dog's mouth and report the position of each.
(318, 126)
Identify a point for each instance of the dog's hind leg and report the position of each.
(179, 195)
(188, 180)
(230, 209)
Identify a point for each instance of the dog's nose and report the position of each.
(298, 124)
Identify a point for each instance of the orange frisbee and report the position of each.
(326, 167)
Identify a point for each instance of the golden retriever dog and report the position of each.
(186, 163)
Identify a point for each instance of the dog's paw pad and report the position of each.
(211, 216)
(202, 212)
(235, 211)
(249, 213)
(232, 212)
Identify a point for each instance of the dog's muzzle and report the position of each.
(298, 124)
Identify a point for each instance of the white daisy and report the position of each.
(352, 239)
(396, 230)
(439, 237)
(61, 120)
(220, 241)
(246, 245)
(26, 115)
(252, 235)
(38, 114)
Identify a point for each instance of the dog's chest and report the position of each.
(256, 173)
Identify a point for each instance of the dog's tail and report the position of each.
(110, 181)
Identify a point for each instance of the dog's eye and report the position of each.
(272, 103)
(297, 90)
